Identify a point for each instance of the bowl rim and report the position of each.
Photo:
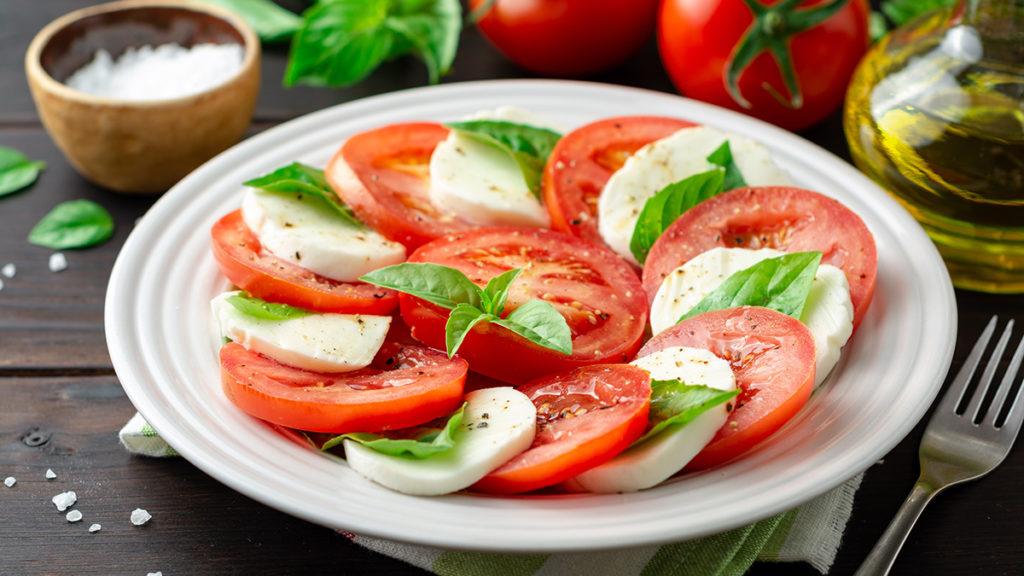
(35, 71)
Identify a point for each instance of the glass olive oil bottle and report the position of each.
(935, 114)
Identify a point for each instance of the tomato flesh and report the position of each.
(784, 218)
(241, 258)
(596, 291)
(584, 418)
(772, 357)
(404, 386)
(584, 160)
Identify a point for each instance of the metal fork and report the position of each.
(956, 449)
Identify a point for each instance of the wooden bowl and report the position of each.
(140, 146)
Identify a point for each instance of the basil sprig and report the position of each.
(263, 310)
(271, 22)
(73, 224)
(528, 145)
(675, 403)
(425, 445)
(536, 320)
(781, 283)
(298, 178)
(17, 171)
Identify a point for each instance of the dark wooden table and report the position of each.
(61, 405)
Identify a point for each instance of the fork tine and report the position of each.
(956, 390)
(974, 407)
(1016, 415)
(1005, 385)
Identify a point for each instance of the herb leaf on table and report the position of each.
(17, 171)
(73, 224)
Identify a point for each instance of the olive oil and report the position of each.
(935, 114)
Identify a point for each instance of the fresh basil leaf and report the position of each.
(781, 283)
(496, 292)
(539, 322)
(426, 445)
(674, 403)
(298, 178)
(440, 285)
(264, 310)
(662, 209)
(903, 11)
(528, 145)
(460, 321)
(271, 22)
(17, 171)
(431, 29)
(73, 224)
(722, 156)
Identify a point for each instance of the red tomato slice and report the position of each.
(596, 291)
(584, 159)
(584, 418)
(784, 218)
(266, 276)
(772, 356)
(404, 386)
(384, 176)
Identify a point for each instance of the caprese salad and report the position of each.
(492, 305)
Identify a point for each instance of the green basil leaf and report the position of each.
(440, 285)
(426, 445)
(903, 11)
(271, 22)
(430, 29)
(17, 171)
(73, 224)
(662, 209)
(461, 320)
(496, 292)
(781, 283)
(528, 145)
(722, 156)
(298, 178)
(539, 322)
(264, 310)
(674, 403)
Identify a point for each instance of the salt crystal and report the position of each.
(166, 71)
(94, 528)
(9, 270)
(50, 474)
(58, 262)
(73, 516)
(140, 516)
(10, 481)
(65, 500)
(155, 574)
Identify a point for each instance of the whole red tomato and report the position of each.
(787, 62)
(567, 37)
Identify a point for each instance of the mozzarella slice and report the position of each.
(669, 160)
(656, 459)
(828, 312)
(317, 342)
(498, 424)
(305, 232)
(481, 183)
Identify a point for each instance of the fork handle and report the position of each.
(882, 556)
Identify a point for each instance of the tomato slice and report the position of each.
(246, 265)
(404, 386)
(780, 217)
(384, 176)
(596, 291)
(772, 356)
(584, 418)
(584, 159)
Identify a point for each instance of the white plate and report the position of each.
(159, 333)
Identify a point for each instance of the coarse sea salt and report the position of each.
(65, 500)
(58, 262)
(9, 270)
(140, 516)
(160, 73)
(10, 481)
(50, 474)
(94, 528)
(73, 516)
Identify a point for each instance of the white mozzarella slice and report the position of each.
(317, 342)
(481, 183)
(497, 425)
(828, 312)
(657, 459)
(306, 232)
(662, 162)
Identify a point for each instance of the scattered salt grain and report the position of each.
(10, 481)
(73, 516)
(65, 500)
(50, 474)
(1, 284)
(155, 574)
(94, 528)
(140, 516)
(58, 262)
(9, 270)
(166, 71)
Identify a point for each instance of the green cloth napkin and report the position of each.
(810, 533)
